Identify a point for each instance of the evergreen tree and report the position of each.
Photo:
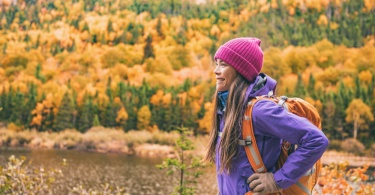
(357, 87)
(38, 73)
(300, 88)
(148, 50)
(131, 123)
(158, 28)
(86, 117)
(186, 165)
(2, 105)
(110, 26)
(7, 104)
(96, 122)
(17, 109)
(30, 105)
(311, 86)
(64, 116)
(108, 90)
(110, 115)
(121, 92)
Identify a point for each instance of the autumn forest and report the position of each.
(148, 65)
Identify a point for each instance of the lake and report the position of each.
(137, 175)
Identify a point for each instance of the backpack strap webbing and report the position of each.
(251, 147)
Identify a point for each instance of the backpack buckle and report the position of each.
(245, 142)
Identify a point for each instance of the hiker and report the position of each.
(238, 80)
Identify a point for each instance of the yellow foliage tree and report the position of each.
(365, 58)
(38, 115)
(144, 117)
(298, 58)
(359, 114)
(325, 55)
(161, 80)
(161, 65)
(348, 82)
(42, 110)
(323, 20)
(167, 98)
(329, 76)
(122, 116)
(365, 77)
(288, 84)
(156, 98)
(205, 123)
(111, 57)
(274, 64)
(136, 75)
(316, 103)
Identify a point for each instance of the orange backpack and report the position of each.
(296, 106)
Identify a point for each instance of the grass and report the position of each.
(99, 139)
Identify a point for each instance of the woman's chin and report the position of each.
(220, 88)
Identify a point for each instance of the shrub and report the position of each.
(164, 138)
(68, 139)
(137, 137)
(372, 150)
(17, 179)
(353, 146)
(334, 145)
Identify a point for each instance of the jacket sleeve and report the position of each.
(270, 119)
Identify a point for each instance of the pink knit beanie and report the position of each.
(244, 55)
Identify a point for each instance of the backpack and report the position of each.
(296, 106)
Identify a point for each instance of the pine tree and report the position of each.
(2, 104)
(300, 88)
(30, 104)
(38, 73)
(311, 86)
(148, 50)
(110, 116)
(357, 87)
(17, 109)
(96, 122)
(7, 108)
(64, 117)
(86, 117)
(110, 26)
(121, 92)
(158, 28)
(108, 90)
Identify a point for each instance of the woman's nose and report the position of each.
(217, 70)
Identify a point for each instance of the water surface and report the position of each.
(137, 175)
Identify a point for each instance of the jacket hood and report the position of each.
(262, 85)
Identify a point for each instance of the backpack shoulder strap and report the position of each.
(249, 141)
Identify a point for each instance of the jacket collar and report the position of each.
(262, 85)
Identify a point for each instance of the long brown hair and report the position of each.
(233, 123)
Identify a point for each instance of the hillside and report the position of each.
(137, 64)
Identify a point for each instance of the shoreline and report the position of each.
(330, 157)
(163, 151)
(139, 143)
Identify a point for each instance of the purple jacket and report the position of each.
(272, 124)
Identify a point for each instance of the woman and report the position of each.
(238, 65)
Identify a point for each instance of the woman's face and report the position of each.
(225, 75)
